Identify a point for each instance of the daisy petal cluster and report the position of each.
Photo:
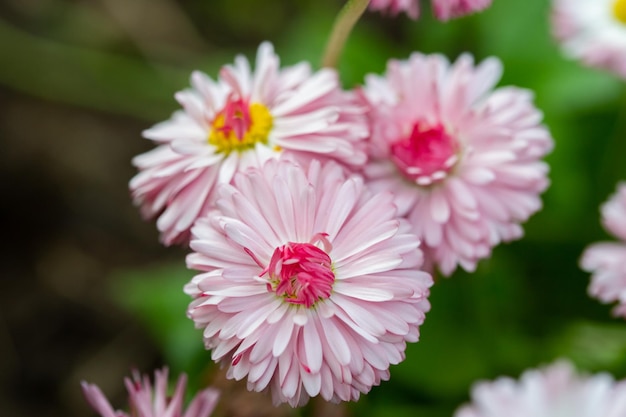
(555, 391)
(593, 32)
(607, 260)
(242, 119)
(146, 401)
(309, 284)
(463, 159)
(443, 9)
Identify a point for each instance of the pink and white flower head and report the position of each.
(555, 391)
(309, 284)
(243, 119)
(394, 7)
(443, 9)
(148, 402)
(593, 32)
(607, 260)
(463, 159)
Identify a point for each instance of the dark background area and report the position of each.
(88, 293)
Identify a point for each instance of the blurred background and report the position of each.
(88, 293)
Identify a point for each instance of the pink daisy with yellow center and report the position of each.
(243, 119)
(607, 260)
(463, 161)
(443, 9)
(593, 32)
(309, 284)
(146, 401)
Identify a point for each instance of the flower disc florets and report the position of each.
(240, 126)
(426, 155)
(301, 272)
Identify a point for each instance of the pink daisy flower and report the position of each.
(555, 391)
(607, 260)
(309, 284)
(462, 159)
(148, 402)
(444, 9)
(593, 32)
(243, 119)
(394, 7)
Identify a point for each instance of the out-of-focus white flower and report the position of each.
(555, 391)
(593, 31)
(607, 260)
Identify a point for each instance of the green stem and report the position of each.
(345, 21)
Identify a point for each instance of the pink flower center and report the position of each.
(237, 118)
(427, 155)
(302, 273)
(240, 126)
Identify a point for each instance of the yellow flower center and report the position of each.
(619, 10)
(240, 126)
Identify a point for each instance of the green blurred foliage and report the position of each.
(524, 307)
(155, 295)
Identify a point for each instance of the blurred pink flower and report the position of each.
(148, 402)
(554, 391)
(309, 284)
(443, 9)
(243, 119)
(607, 260)
(593, 32)
(394, 7)
(463, 160)
(447, 9)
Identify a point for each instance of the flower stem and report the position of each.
(345, 21)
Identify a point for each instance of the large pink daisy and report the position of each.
(444, 9)
(243, 119)
(309, 284)
(607, 260)
(146, 401)
(463, 160)
(593, 32)
(555, 391)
